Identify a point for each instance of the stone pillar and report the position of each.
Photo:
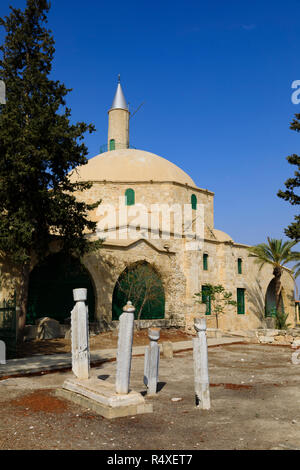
(80, 335)
(2, 92)
(201, 365)
(124, 352)
(2, 352)
(151, 366)
(167, 348)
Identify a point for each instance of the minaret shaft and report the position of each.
(118, 129)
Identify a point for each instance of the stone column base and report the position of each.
(101, 397)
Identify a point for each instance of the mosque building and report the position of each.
(137, 189)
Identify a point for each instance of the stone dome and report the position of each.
(130, 165)
(222, 236)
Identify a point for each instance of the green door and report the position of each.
(206, 299)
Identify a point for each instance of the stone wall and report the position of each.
(107, 265)
(148, 194)
(222, 269)
(287, 337)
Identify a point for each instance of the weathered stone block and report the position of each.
(266, 339)
(271, 332)
(279, 338)
(48, 328)
(100, 396)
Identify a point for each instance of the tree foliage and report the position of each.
(292, 184)
(39, 146)
(278, 254)
(141, 284)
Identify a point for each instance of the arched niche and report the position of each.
(141, 284)
(51, 287)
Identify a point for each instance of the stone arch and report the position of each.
(132, 284)
(51, 285)
(270, 300)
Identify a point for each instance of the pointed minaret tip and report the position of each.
(119, 99)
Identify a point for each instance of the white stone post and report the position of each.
(124, 352)
(80, 335)
(2, 352)
(201, 365)
(2, 92)
(151, 366)
(167, 349)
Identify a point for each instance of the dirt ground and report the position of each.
(255, 398)
(107, 340)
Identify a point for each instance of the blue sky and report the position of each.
(216, 81)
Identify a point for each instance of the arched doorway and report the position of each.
(51, 287)
(142, 285)
(270, 300)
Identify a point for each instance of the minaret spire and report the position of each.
(119, 99)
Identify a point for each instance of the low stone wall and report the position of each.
(143, 324)
(286, 337)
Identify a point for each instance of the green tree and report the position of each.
(39, 146)
(277, 254)
(141, 284)
(218, 297)
(292, 184)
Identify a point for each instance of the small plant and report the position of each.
(280, 321)
(272, 312)
(217, 297)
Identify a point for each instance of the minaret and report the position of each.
(118, 122)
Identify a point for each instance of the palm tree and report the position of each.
(278, 254)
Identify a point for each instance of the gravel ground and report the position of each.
(255, 397)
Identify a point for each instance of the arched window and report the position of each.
(112, 144)
(129, 197)
(194, 202)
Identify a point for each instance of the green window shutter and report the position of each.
(239, 266)
(194, 202)
(206, 299)
(112, 144)
(241, 301)
(205, 262)
(129, 197)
